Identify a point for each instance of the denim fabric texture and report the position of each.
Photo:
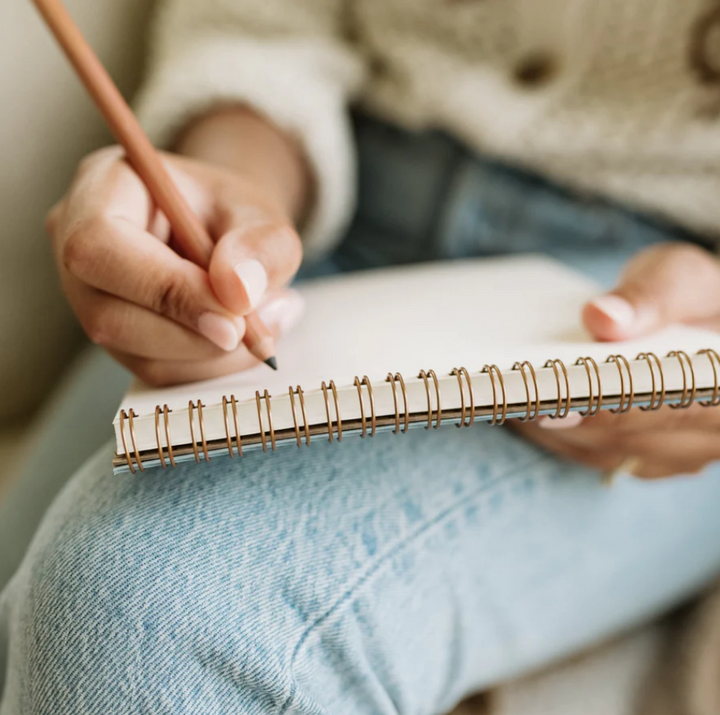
(378, 577)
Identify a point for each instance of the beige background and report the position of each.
(47, 124)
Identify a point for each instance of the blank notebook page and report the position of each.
(432, 316)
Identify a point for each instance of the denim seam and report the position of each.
(376, 566)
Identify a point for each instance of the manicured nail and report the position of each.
(617, 309)
(283, 312)
(254, 278)
(572, 420)
(219, 330)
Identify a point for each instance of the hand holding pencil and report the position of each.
(166, 259)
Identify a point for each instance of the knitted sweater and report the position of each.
(620, 98)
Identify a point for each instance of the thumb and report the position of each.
(666, 284)
(252, 259)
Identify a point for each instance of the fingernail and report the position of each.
(573, 419)
(219, 330)
(283, 312)
(617, 309)
(254, 278)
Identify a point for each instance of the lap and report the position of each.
(383, 577)
(411, 570)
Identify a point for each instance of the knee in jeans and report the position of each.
(133, 602)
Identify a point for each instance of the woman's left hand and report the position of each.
(671, 283)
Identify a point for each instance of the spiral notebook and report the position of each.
(428, 346)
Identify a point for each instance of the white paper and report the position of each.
(431, 316)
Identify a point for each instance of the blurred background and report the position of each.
(47, 124)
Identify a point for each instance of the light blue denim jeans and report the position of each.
(384, 576)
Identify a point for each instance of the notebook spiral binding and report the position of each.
(333, 389)
(368, 419)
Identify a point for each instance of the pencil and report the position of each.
(188, 231)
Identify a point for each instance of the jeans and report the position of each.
(382, 576)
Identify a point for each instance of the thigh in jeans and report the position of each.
(392, 575)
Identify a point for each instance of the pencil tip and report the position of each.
(271, 362)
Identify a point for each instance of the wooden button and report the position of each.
(535, 69)
(705, 47)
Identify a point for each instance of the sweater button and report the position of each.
(535, 70)
(705, 47)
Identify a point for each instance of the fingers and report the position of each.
(100, 240)
(162, 373)
(596, 443)
(122, 326)
(115, 256)
(159, 313)
(252, 258)
(666, 446)
(117, 324)
(636, 420)
(666, 469)
(652, 464)
(105, 185)
(162, 352)
(665, 284)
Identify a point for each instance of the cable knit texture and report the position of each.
(617, 98)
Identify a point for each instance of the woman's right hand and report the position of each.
(157, 313)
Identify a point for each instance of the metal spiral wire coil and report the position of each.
(438, 419)
(373, 417)
(306, 427)
(688, 393)
(165, 411)
(333, 389)
(268, 409)
(393, 379)
(533, 409)
(562, 410)
(714, 358)
(657, 398)
(626, 397)
(238, 439)
(462, 373)
(593, 406)
(369, 418)
(494, 372)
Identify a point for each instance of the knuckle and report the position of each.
(685, 258)
(107, 323)
(154, 373)
(686, 251)
(294, 248)
(78, 254)
(105, 154)
(170, 296)
(86, 163)
(97, 324)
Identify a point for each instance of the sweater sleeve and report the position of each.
(287, 60)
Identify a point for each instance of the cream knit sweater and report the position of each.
(616, 97)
